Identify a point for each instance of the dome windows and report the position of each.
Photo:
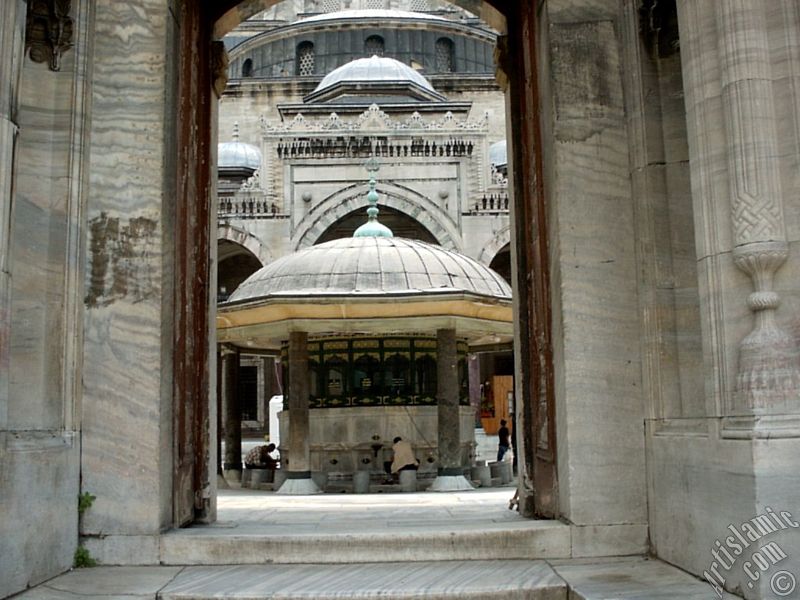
(247, 68)
(374, 46)
(445, 59)
(305, 59)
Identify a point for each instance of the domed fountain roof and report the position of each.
(369, 266)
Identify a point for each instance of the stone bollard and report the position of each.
(408, 481)
(320, 478)
(361, 482)
(482, 473)
(278, 479)
(502, 470)
(246, 477)
(257, 477)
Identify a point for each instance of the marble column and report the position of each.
(232, 414)
(451, 471)
(768, 378)
(298, 463)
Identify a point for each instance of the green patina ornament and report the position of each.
(372, 228)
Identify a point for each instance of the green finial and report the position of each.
(372, 228)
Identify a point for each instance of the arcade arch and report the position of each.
(401, 199)
(400, 223)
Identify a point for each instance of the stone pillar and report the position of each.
(232, 414)
(298, 464)
(12, 33)
(451, 471)
(768, 378)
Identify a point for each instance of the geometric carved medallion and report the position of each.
(48, 31)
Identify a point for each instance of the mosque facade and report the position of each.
(312, 94)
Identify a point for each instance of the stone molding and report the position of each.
(374, 119)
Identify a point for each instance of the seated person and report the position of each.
(403, 459)
(261, 457)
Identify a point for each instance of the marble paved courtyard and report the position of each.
(381, 517)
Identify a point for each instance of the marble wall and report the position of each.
(600, 435)
(722, 461)
(42, 159)
(127, 406)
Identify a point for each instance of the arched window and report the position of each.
(425, 375)
(335, 377)
(374, 46)
(397, 375)
(444, 55)
(305, 59)
(247, 68)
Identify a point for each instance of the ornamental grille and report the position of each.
(373, 45)
(375, 4)
(444, 55)
(419, 5)
(305, 59)
(330, 6)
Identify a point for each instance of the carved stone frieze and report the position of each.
(48, 31)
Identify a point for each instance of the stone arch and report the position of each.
(500, 239)
(230, 18)
(400, 198)
(247, 240)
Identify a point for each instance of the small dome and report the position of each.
(373, 70)
(371, 266)
(238, 155)
(498, 154)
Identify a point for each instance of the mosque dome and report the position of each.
(371, 266)
(373, 15)
(238, 155)
(365, 76)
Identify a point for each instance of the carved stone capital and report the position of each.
(48, 31)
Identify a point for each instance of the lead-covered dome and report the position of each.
(370, 266)
(238, 155)
(374, 76)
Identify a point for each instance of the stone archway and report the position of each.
(342, 203)
(246, 240)
(518, 74)
(501, 239)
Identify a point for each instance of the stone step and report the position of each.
(474, 580)
(222, 544)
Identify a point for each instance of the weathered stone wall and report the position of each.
(600, 433)
(127, 407)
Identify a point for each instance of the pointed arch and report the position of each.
(501, 238)
(340, 204)
(247, 240)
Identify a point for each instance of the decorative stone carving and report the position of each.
(768, 379)
(48, 31)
